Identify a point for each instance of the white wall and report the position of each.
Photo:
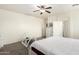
(15, 26)
(63, 19)
(71, 23)
(74, 24)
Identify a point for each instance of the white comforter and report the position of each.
(58, 46)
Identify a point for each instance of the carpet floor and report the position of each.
(13, 49)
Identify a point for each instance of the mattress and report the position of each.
(57, 46)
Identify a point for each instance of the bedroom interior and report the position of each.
(28, 29)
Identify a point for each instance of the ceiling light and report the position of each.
(42, 10)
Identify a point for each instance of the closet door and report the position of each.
(58, 28)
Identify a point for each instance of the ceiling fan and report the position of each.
(75, 5)
(42, 9)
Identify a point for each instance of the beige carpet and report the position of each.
(13, 49)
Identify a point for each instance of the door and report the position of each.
(58, 28)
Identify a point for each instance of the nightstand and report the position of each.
(27, 42)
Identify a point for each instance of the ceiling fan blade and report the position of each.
(48, 8)
(47, 11)
(41, 13)
(38, 6)
(35, 10)
(75, 4)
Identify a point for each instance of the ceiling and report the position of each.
(29, 8)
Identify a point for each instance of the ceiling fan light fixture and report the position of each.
(42, 10)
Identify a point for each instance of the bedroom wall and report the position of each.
(15, 26)
(71, 23)
(62, 18)
(71, 26)
(74, 24)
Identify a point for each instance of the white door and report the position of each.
(58, 28)
(49, 31)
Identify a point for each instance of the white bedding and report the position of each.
(58, 46)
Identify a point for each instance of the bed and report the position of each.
(55, 46)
